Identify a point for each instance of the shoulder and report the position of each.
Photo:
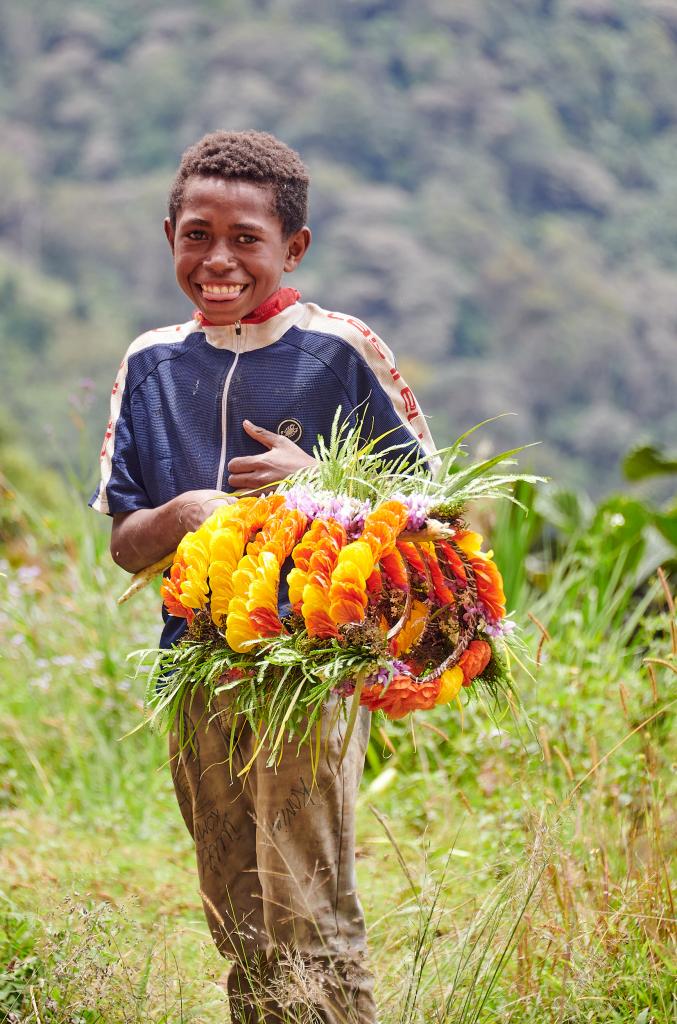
(151, 348)
(161, 338)
(371, 365)
(349, 330)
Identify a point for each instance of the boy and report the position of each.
(232, 400)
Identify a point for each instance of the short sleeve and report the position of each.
(121, 487)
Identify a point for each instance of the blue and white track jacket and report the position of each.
(182, 393)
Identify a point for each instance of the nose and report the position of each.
(220, 258)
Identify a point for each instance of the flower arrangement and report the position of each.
(357, 578)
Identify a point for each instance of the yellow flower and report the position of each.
(226, 547)
(221, 584)
(194, 552)
(315, 611)
(244, 575)
(413, 629)
(357, 554)
(227, 544)
(452, 681)
(296, 580)
(469, 542)
(262, 591)
(239, 631)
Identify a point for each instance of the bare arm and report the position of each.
(140, 538)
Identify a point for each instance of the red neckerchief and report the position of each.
(273, 305)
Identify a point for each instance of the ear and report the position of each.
(297, 247)
(169, 232)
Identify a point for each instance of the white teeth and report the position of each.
(222, 289)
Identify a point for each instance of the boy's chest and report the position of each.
(289, 395)
(192, 411)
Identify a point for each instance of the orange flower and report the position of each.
(382, 527)
(489, 586)
(305, 547)
(315, 555)
(265, 622)
(225, 514)
(194, 552)
(264, 508)
(254, 584)
(374, 584)
(316, 612)
(439, 581)
(453, 560)
(346, 609)
(279, 531)
(170, 591)
(488, 579)
(395, 570)
(314, 584)
(355, 564)
(474, 661)
(412, 555)
(401, 696)
(322, 564)
(348, 587)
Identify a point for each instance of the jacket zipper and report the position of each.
(224, 405)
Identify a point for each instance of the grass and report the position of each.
(491, 892)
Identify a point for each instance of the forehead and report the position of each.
(227, 200)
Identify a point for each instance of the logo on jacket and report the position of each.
(290, 428)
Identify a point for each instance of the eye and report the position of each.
(247, 239)
(196, 235)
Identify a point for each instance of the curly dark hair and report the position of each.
(248, 156)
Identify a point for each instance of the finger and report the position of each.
(260, 434)
(251, 481)
(247, 463)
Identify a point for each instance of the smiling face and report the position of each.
(228, 246)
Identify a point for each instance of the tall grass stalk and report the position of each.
(100, 919)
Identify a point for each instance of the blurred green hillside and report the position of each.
(495, 192)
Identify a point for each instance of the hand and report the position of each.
(256, 471)
(193, 507)
(145, 536)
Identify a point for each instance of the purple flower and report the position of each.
(401, 668)
(346, 688)
(418, 506)
(385, 673)
(349, 512)
(500, 628)
(302, 499)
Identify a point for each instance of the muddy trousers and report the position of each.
(276, 867)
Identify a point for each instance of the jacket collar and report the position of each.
(263, 326)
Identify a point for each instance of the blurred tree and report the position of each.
(494, 192)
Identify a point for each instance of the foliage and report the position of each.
(494, 188)
(503, 878)
(647, 461)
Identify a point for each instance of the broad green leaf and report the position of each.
(666, 522)
(647, 461)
